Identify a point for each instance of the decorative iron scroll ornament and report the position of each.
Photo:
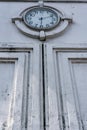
(41, 21)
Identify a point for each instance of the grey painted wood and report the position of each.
(66, 90)
(63, 108)
(6, 78)
(11, 90)
(20, 87)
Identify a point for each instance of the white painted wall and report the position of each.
(75, 33)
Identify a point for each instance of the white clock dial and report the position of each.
(41, 18)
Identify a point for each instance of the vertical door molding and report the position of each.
(65, 67)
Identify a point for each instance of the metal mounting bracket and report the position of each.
(16, 18)
(69, 19)
(41, 3)
(42, 36)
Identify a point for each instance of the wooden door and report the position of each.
(66, 86)
(44, 90)
(20, 87)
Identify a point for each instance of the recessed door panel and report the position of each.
(79, 75)
(11, 89)
(74, 67)
(6, 78)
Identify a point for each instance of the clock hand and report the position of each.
(41, 20)
(44, 18)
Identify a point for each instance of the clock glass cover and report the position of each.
(41, 18)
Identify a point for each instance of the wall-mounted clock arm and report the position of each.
(69, 19)
(42, 36)
(19, 18)
(41, 3)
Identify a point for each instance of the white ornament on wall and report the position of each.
(42, 21)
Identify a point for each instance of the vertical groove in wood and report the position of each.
(41, 89)
(43, 74)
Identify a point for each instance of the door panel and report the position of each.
(20, 87)
(6, 78)
(11, 87)
(66, 86)
(74, 67)
(79, 73)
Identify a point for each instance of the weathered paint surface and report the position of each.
(6, 78)
(66, 86)
(19, 83)
(65, 73)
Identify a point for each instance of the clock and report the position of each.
(41, 18)
(42, 21)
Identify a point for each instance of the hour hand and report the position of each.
(41, 20)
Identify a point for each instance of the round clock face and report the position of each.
(41, 18)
